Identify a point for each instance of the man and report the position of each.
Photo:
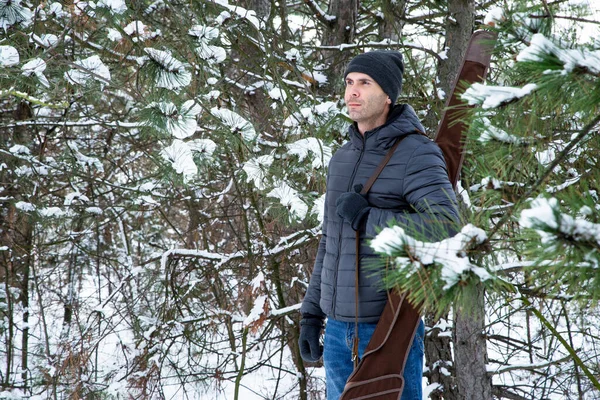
(413, 189)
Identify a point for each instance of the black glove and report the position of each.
(353, 207)
(311, 349)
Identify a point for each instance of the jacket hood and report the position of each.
(402, 120)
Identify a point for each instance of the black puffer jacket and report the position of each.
(413, 189)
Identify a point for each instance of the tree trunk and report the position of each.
(339, 31)
(470, 349)
(393, 19)
(16, 240)
(438, 357)
(459, 28)
(460, 22)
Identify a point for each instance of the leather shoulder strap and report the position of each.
(381, 166)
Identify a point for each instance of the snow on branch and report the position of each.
(550, 223)
(86, 69)
(495, 96)
(170, 73)
(572, 59)
(490, 133)
(289, 198)
(286, 244)
(450, 253)
(320, 13)
(179, 122)
(321, 153)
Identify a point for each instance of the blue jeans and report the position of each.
(337, 358)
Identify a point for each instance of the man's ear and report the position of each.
(389, 101)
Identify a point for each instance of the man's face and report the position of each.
(367, 103)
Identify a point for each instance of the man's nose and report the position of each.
(353, 92)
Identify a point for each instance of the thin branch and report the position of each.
(566, 152)
(322, 16)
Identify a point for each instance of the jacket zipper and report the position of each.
(337, 262)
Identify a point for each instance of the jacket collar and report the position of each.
(401, 121)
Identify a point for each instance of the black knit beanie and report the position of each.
(384, 66)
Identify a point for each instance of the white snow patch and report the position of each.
(257, 171)
(19, 149)
(571, 58)
(91, 68)
(289, 198)
(450, 253)
(25, 206)
(180, 156)
(235, 122)
(115, 6)
(494, 96)
(9, 56)
(36, 67)
(321, 153)
(173, 74)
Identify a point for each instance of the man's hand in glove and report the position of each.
(353, 207)
(311, 349)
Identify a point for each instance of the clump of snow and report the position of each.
(91, 68)
(260, 304)
(25, 206)
(57, 9)
(114, 35)
(493, 133)
(321, 153)
(19, 149)
(45, 40)
(180, 123)
(571, 58)
(494, 16)
(84, 160)
(248, 15)
(326, 108)
(36, 67)
(139, 31)
(545, 217)
(542, 213)
(212, 53)
(289, 198)
(14, 13)
(293, 54)
(94, 210)
(450, 254)
(258, 281)
(205, 147)
(318, 208)
(204, 33)
(257, 171)
(307, 114)
(9, 56)
(181, 158)
(278, 94)
(235, 122)
(50, 212)
(77, 195)
(491, 182)
(172, 74)
(494, 96)
(115, 6)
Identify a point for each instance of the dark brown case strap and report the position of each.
(379, 375)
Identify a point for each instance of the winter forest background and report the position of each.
(162, 169)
